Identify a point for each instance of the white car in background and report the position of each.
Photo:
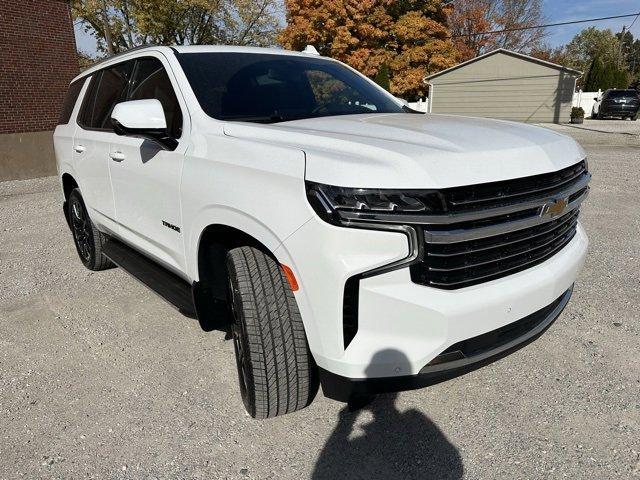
(356, 244)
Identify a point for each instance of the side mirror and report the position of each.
(143, 119)
(595, 98)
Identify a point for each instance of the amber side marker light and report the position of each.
(291, 278)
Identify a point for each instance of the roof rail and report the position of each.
(119, 54)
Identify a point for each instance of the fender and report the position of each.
(230, 217)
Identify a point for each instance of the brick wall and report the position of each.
(37, 62)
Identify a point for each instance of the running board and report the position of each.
(171, 288)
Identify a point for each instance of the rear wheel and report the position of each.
(87, 238)
(276, 371)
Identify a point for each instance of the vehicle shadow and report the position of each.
(393, 445)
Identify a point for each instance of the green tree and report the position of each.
(631, 50)
(594, 78)
(382, 77)
(620, 78)
(602, 76)
(592, 43)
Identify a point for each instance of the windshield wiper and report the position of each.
(263, 119)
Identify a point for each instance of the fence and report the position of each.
(421, 105)
(586, 100)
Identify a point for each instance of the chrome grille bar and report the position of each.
(502, 272)
(566, 219)
(465, 234)
(493, 230)
(506, 257)
(469, 216)
(521, 193)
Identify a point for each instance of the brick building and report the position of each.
(37, 61)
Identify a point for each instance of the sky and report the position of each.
(563, 10)
(554, 10)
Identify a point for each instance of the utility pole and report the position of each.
(107, 28)
(620, 43)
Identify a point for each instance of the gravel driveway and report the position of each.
(101, 379)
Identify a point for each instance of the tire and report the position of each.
(87, 238)
(276, 372)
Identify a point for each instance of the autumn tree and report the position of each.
(467, 19)
(408, 37)
(119, 25)
(470, 18)
(557, 55)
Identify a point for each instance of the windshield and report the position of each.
(268, 88)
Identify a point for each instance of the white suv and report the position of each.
(345, 239)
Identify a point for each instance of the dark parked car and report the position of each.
(617, 103)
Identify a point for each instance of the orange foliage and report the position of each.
(469, 17)
(409, 36)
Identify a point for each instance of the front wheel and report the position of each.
(276, 371)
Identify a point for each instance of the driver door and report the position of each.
(146, 178)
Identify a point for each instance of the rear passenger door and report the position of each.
(93, 139)
(65, 132)
(146, 178)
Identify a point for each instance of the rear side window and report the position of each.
(106, 90)
(70, 100)
(150, 80)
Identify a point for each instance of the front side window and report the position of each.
(150, 80)
(274, 88)
(107, 88)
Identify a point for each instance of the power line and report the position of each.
(634, 21)
(519, 29)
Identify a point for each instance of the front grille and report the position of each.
(498, 229)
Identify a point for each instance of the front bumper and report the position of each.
(403, 326)
(459, 360)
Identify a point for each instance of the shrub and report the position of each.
(577, 112)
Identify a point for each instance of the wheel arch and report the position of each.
(68, 185)
(214, 242)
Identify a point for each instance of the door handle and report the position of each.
(79, 148)
(117, 156)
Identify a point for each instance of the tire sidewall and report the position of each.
(76, 197)
(248, 393)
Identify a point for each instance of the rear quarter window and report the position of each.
(70, 100)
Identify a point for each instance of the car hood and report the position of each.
(416, 151)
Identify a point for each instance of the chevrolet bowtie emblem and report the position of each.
(554, 208)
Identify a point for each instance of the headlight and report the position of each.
(344, 206)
